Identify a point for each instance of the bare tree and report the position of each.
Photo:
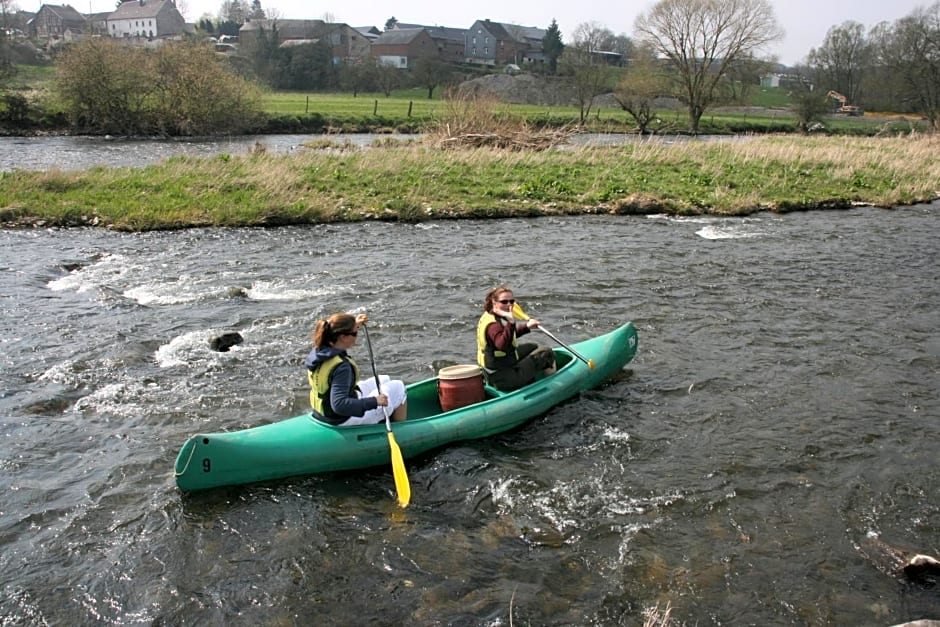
(359, 77)
(387, 77)
(430, 72)
(234, 11)
(643, 82)
(7, 13)
(590, 75)
(842, 60)
(910, 50)
(807, 102)
(621, 44)
(183, 7)
(704, 40)
(744, 76)
(591, 36)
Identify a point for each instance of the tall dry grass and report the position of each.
(656, 617)
(418, 181)
(478, 121)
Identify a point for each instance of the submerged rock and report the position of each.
(923, 569)
(895, 561)
(225, 341)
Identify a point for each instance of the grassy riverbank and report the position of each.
(412, 182)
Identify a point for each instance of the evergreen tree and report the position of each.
(256, 12)
(552, 46)
(390, 23)
(228, 27)
(263, 53)
(206, 26)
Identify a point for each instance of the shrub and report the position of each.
(197, 95)
(107, 86)
(104, 86)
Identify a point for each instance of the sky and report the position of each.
(805, 22)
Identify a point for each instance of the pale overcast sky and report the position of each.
(805, 21)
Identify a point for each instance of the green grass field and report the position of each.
(401, 103)
(766, 110)
(398, 104)
(770, 97)
(405, 108)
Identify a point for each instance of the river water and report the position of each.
(81, 152)
(763, 460)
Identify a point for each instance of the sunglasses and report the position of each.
(352, 333)
(508, 301)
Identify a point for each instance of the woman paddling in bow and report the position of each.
(337, 395)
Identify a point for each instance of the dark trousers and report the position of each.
(532, 360)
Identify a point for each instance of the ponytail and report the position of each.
(329, 329)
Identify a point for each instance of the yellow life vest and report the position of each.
(487, 355)
(319, 379)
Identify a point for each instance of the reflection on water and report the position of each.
(78, 153)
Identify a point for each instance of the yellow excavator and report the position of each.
(844, 107)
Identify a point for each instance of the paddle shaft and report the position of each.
(519, 313)
(402, 485)
(590, 363)
(375, 373)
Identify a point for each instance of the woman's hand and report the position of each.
(382, 400)
(532, 323)
(361, 318)
(504, 314)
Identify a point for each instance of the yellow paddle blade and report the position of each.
(402, 487)
(518, 313)
(590, 364)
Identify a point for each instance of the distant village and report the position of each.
(151, 22)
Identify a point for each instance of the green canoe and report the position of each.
(303, 445)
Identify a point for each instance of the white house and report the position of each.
(150, 19)
(770, 80)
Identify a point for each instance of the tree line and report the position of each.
(705, 53)
(891, 67)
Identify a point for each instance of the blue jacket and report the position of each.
(342, 379)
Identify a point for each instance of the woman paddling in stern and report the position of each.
(508, 365)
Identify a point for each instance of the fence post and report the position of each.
(410, 102)
(375, 107)
(307, 106)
